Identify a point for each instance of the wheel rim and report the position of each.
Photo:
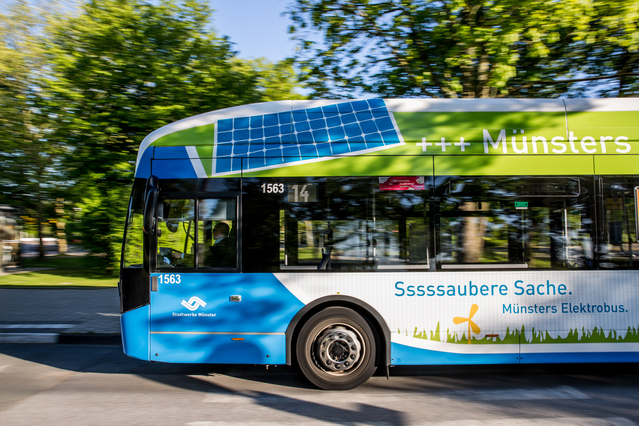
(338, 349)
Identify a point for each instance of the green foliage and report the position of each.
(468, 48)
(93, 84)
(30, 172)
(101, 224)
(276, 81)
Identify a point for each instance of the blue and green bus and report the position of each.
(345, 236)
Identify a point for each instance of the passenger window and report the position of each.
(337, 224)
(515, 223)
(619, 228)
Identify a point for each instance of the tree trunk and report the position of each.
(40, 219)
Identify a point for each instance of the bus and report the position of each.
(346, 236)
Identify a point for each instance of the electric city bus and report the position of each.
(345, 236)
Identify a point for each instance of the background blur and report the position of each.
(82, 82)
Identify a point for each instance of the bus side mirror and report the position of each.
(149, 211)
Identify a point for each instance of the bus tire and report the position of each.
(336, 349)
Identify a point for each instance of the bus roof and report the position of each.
(252, 137)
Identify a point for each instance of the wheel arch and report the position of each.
(375, 320)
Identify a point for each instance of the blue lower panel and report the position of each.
(219, 348)
(134, 327)
(407, 355)
(578, 357)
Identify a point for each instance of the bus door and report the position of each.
(194, 278)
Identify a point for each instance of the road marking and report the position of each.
(35, 326)
(553, 421)
(317, 397)
(561, 392)
(29, 337)
(3, 367)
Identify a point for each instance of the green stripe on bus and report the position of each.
(355, 166)
(455, 165)
(604, 119)
(512, 165)
(477, 119)
(201, 135)
(470, 125)
(616, 164)
(522, 133)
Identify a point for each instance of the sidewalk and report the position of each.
(57, 315)
(65, 315)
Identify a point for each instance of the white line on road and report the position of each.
(553, 421)
(29, 337)
(35, 326)
(563, 421)
(561, 392)
(334, 398)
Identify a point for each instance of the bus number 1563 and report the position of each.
(272, 188)
(169, 279)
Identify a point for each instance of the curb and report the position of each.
(46, 338)
(61, 338)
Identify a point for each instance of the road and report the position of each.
(98, 385)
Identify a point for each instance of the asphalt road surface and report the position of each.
(98, 385)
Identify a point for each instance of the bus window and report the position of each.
(402, 226)
(515, 223)
(335, 224)
(619, 235)
(217, 233)
(133, 253)
(133, 245)
(176, 234)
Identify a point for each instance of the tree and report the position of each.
(275, 81)
(123, 68)
(611, 48)
(466, 48)
(30, 173)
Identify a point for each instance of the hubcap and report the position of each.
(339, 348)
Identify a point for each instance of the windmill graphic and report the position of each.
(471, 324)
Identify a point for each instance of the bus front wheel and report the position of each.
(336, 349)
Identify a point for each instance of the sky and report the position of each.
(255, 26)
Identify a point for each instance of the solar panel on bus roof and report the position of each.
(305, 134)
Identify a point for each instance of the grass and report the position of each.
(62, 271)
(518, 336)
